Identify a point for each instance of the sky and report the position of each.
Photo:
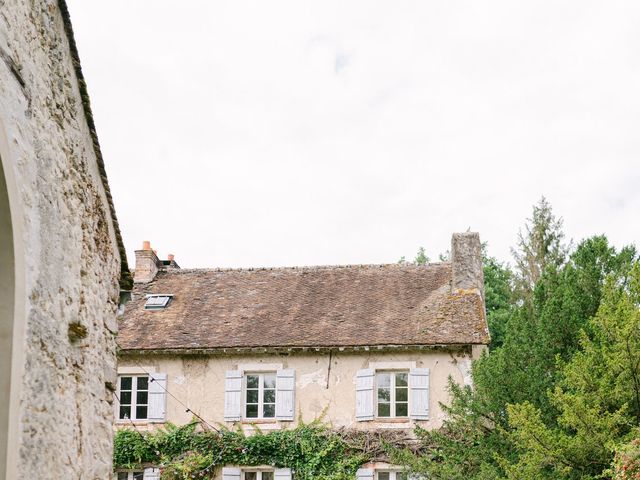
(271, 133)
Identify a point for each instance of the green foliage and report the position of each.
(540, 246)
(312, 451)
(598, 395)
(626, 464)
(539, 319)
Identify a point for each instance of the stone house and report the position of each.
(61, 257)
(363, 346)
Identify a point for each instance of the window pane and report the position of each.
(252, 382)
(250, 475)
(143, 383)
(138, 475)
(384, 380)
(267, 475)
(122, 475)
(401, 394)
(252, 396)
(125, 398)
(383, 475)
(402, 410)
(384, 409)
(141, 398)
(402, 379)
(269, 396)
(252, 411)
(141, 412)
(125, 384)
(269, 411)
(125, 412)
(384, 395)
(269, 381)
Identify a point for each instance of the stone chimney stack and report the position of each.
(146, 264)
(466, 262)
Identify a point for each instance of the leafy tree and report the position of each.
(537, 333)
(540, 245)
(598, 396)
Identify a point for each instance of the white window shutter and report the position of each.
(285, 394)
(364, 394)
(233, 395)
(282, 474)
(157, 410)
(151, 474)
(364, 474)
(230, 473)
(419, 396)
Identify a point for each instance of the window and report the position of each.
(158, 301)
(393, 396)
(260, 398)
(390, 475)
(133, 392)
(257, 475)
(130, 475)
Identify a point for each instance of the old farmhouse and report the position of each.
(367, 346)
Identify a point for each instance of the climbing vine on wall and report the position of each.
(312, 451)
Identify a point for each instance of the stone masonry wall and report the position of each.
(72, 264)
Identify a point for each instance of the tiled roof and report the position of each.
(369, 305)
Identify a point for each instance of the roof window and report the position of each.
(158, 301)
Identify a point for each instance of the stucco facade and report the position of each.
(199, 382)
(61, 264)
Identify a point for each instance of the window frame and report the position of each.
(261, 401)
(393, 474)
(134, 397)
(257, 471)
(392, 390)
(130, 473)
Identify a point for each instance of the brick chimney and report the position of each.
(146, 264)
(466, 262)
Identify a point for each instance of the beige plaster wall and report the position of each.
(198, 381)
(67, 262)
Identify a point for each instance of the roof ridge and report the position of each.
(371, 266)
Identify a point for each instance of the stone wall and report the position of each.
(69, 262)
(321, 391)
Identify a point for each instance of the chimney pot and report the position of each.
(146, 245)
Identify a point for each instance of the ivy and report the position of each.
(312, 451)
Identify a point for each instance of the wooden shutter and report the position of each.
(285, 394)
(151, 474)
(157, 409)
(230, 473)
(282, 474)
(419, 393)
(364, 394)
(233, 395)
(364, 474)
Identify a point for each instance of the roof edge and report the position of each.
(126, 280)
(292, 349)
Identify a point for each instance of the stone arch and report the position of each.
(12, 312)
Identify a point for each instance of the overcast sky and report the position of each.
(274, 133)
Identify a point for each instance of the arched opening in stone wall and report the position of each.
(7, 315)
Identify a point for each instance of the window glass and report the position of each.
(250, 475)
(383, 475)
(134, 398)
(260, 396)
(138, 475)
(267, 475)
(392, 394)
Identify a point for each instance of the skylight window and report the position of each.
(157, 301)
